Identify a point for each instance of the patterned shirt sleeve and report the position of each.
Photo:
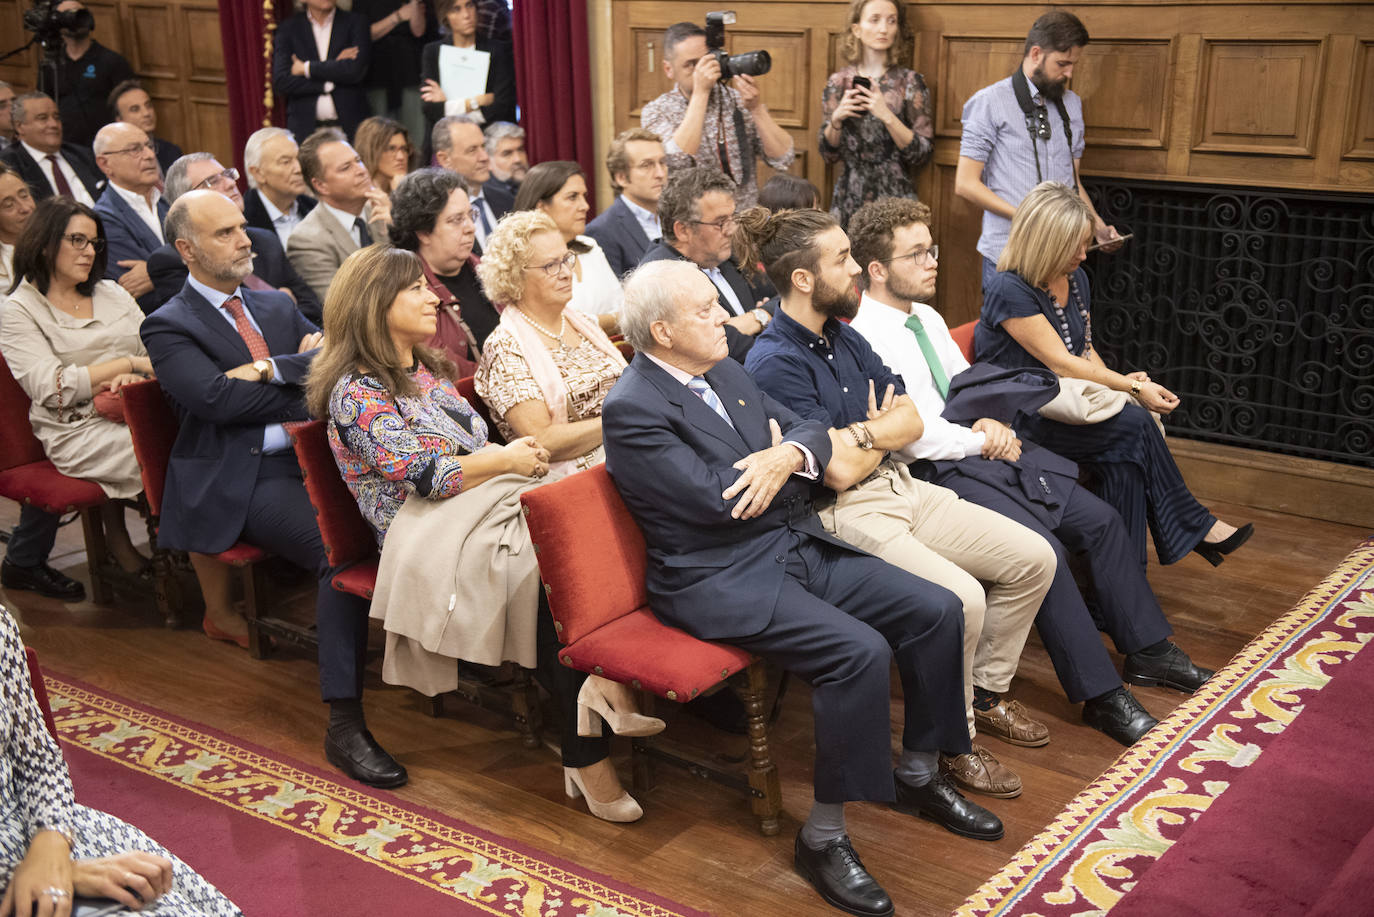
(370, 426)
(916, 114)
(664, 118)
(504, 379)
(830, 100)
(779, 163)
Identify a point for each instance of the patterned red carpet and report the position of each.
(279, 837)
(1103, 848)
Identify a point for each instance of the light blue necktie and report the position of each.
(702, 390)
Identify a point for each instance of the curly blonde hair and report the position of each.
(899, 55)
(507, 254)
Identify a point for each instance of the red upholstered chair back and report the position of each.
(40, 690)
(347, 536)
(625, 349)
(963, 336)
(153, 427)
(468, 390)
(18, 445)
(591, 552)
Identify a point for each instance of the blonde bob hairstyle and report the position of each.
(507, 254)
(899, 55)
(1046, 231)
(356, 336)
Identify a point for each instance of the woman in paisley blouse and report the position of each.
(882, 131)
(398, 426)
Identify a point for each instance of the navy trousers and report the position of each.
(33, 538)
(840, 621)
(1127, 606)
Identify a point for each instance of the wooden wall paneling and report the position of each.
(959, 291)
(966, 64)
(19, 71)
(1125, 88)
(1259, 97)
(1359, 119)
(156, 49)
(646, 78)
(210, 126)
(784, 88)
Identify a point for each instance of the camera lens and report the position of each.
(750, 63)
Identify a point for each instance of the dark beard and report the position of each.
(1054, 91)
(898, 288)
(835, 303)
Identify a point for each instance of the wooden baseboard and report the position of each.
(1282, 483)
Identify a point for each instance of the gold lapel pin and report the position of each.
(741, 402)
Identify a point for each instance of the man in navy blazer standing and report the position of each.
(233, 361)
(720, 479)
(319, 62)
(629, 227)
(131, 207)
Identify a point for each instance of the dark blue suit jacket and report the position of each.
(255, 212)
(128, 238)
(295, 37)
(620, 237)
(79, 157)
(215, 460)
(168, 272)
(671, 457)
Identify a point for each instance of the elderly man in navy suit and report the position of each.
(131, 208)
(629, 227)
(233, 362)
(720, 479)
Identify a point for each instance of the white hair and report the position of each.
(651, 295)
(252, 150)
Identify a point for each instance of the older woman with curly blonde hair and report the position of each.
(546, 368)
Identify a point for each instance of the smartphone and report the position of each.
(862, 82)
(1096, 245)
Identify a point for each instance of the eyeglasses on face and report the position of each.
(555, 267)
(219, 179)
(136, 148)
(79, 242)
(918, 256)
(731, 220)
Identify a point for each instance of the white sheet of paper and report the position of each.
(463, 71)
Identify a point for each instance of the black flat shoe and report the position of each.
(940, 802)
(359, 756)
(1119, 715)
(1215, 552)
(838, 875)
(43, 580)
(1172, 670)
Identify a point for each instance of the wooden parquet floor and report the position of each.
(697, 844)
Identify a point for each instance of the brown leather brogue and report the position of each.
(1010, 722)
(980, 772)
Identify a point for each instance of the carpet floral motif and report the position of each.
(1114, 830)
(494, 877)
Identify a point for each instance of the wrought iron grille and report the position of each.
(1255, 307)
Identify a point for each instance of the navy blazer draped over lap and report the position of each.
(671, 457)
(218, 451)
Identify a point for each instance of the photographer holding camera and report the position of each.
(707, 123)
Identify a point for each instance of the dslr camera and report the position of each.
(750, 63)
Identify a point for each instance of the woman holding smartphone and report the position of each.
(877, 116)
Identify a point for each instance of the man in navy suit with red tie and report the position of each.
(233, 362)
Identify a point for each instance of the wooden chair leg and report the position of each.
(257, 640)
(763, 773)
(525, 705)
(94, 531)
(167, 588)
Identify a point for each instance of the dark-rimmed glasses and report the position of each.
(918, 256)
(554, 268)
(718, 224)
(78, 242)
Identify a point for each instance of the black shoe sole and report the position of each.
(343, 764)
(962, 832)
(805, 874)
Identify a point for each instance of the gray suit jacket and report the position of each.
(319, 244)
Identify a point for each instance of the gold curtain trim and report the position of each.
(269, 17)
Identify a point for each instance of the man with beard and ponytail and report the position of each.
(817, 366)
(1023, 130)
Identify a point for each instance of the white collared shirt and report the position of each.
(647, 219)
(885, 330)
(140, 205)
(479, 199)
(78, 187)
(283, 222)
(324, 105)
(346, 220)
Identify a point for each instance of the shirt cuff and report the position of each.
(811, 468)
(275, 439)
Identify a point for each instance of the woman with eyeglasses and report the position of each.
(69, 338)
(546, 368)
(877, 112)
(1036, 314)
(559, 189)
(385, 147)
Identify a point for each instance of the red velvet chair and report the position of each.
(468, 390)
(625, 349)
(592, 560)
(154, 426)
(349, 542)
(40, 690)
(27, 477)
(963, 336)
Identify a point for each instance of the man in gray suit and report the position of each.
(352, 212)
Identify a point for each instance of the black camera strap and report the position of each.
(746, 154)
(1021, 86)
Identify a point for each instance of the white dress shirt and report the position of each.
(885, 330)
(283, 222)
(140, 205)
(347, 221)
(647, 219)
(324, 105)
(78, 187)
(724, 286)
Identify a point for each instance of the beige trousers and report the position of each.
(929, 531)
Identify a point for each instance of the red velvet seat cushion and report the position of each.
(153, 428)
(347, 536)
(638, 648)
(48, 489)
(18, 445)
(40, 690)
(359, 579)
(241, 555)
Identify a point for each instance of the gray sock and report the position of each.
(916, 768)
(825, 824)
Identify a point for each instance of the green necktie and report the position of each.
(937, 370)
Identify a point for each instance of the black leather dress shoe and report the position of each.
(940, 802)
(1119, 715)
(359, 756)
(839, 876)
(1172, 670)
(43, 580)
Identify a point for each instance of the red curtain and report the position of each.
(553, 72)
(247, 61)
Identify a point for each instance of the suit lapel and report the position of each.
(744, 407)
(694, 410)
(341, 239)
(133, 221)
(215, 323)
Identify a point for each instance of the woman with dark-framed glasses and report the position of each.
(69, 337)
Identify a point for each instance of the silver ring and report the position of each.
(57, 893)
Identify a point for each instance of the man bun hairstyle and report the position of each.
(782, 241)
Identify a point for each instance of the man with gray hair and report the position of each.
(132, 208)
(277, 198)
(271, 269)
(506, 149)
(47, 164)
(720, 479)
(460, 146)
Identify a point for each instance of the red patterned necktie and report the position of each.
(257, 347)
(58, 179)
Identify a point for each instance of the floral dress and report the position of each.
(873, 167)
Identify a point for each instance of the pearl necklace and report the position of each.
(562, 329)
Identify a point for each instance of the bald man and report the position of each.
(131, 206)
